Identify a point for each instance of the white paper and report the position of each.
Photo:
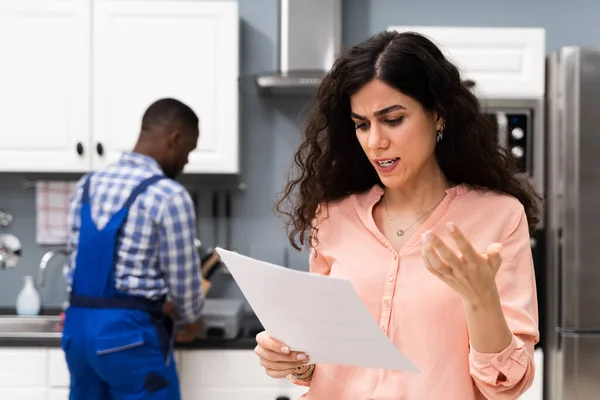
(319, 315)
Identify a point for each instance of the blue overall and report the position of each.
(117, 346)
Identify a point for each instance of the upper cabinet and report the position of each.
(503, 62)
(81, 73)
(45, 85)
(188, 50)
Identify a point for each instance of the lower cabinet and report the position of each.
(58, 394)
(24, 373)
(38, 373)
(24, 394)
(230, 375)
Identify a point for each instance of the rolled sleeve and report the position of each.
(513, 362)
(298, 381)
(509, 373)
(179, 258)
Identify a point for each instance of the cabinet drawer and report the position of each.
(58, 394)
(254, 393)
(23, 368)
(58, 372)
(23, 394)
(225, 368)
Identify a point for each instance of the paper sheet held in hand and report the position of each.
(319, 315)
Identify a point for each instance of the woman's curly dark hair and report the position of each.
(330, 162)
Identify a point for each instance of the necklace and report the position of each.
(401, 232)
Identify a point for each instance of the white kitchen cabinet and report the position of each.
(145, 50)
(246, 393)
(23, 373)
(58, 394)
(230, 375)
(45, 85)
(42, 374)
(58, 372)
(25, 394)
(77, 76)
(503, 62)
(23, 367)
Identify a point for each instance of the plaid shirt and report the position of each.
(156, 253)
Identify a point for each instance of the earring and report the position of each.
(440, 134)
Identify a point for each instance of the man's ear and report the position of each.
(173, 138)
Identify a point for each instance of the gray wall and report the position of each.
(269, 127)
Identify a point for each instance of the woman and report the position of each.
(403, 190)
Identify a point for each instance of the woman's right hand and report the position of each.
(277, 358)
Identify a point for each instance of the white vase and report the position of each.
(28, 300)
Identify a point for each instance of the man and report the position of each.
(132, 243)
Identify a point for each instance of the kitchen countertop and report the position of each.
(251, 326)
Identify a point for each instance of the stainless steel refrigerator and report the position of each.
(572, 303)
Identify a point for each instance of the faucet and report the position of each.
(10, 251)
(49, 255)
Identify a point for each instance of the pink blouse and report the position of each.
(422, 316)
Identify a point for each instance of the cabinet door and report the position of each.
(58, 394)
(24, 394)
(223, 368)
(45, 85)
(23, 368)
(230, 375)
(58, 371)
(146, 50)
(247, 393)
(503, 62)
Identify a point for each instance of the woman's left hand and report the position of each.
(470, 273)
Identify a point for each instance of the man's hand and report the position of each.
(169, 310)
(190, 332)
(206, 285)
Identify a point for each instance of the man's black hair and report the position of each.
(169, 111)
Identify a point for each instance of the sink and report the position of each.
(37, 326)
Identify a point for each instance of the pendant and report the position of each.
(400, 232)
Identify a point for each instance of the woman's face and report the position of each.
(396, 133)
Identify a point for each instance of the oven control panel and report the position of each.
(514, 133)
(518, 138)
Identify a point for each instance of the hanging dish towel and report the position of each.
(52, 207)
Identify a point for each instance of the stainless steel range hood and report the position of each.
(309, 40)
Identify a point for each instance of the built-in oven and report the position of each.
(519, 125)
(520, 129)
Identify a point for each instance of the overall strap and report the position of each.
(140, 188)
(85, 197)
(94, 275)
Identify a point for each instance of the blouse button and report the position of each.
(395, 257)
(391, 279)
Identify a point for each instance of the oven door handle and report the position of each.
(502, 121)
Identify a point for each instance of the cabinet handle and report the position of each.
(100, 149)
(79, 148)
